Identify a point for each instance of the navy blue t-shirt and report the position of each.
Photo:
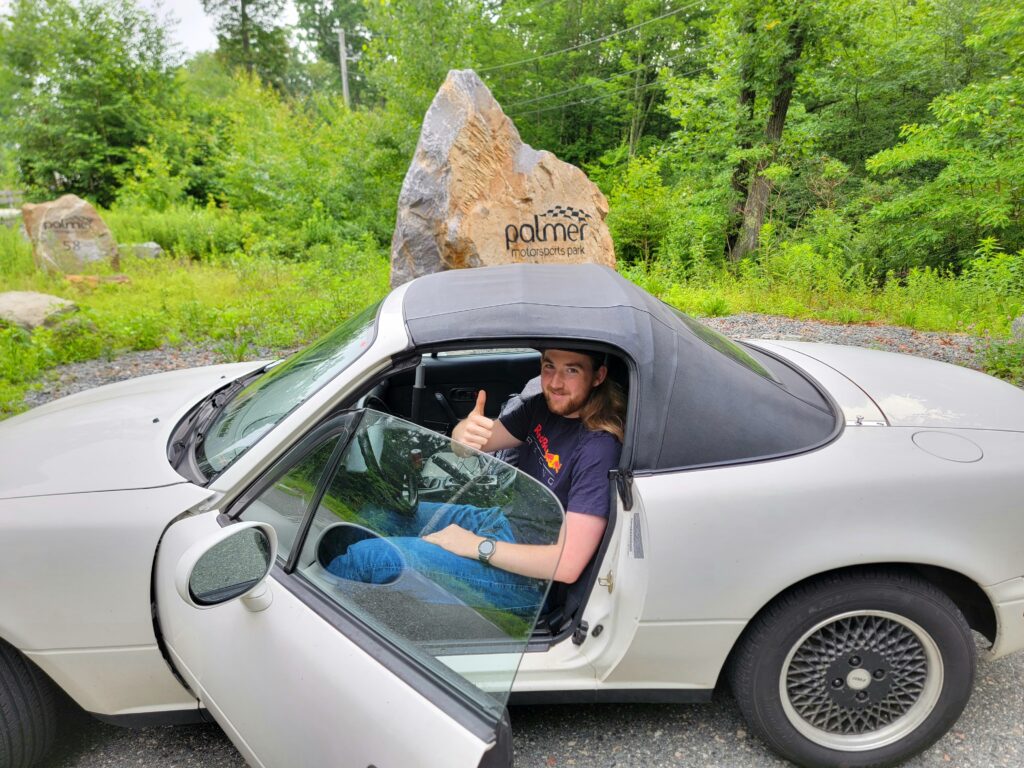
(564, 455)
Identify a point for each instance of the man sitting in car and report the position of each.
(570, 436)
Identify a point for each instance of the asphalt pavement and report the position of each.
(989, 734)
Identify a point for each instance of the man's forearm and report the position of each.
(537, 561)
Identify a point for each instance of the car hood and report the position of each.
(917, 392)
(110, 438)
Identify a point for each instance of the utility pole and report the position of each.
(343, 59)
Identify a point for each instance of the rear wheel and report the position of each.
(860, 669)
(28, 711)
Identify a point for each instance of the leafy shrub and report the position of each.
(15, 254)
(1005, 359)
(73, 339)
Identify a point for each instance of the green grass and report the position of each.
(255, 292)
(243, 305)
(924, 299)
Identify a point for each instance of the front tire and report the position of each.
(858, 669)
(28, 711)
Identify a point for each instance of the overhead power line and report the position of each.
(604, 95)
(590, 42)
(684, 54)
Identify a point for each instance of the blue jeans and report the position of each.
(382, 561)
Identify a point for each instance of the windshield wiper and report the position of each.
(203, 415)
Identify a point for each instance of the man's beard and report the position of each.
(566, 407)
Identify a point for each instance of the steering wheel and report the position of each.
(504, 474)
(452, 470)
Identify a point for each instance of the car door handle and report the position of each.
(462, 395)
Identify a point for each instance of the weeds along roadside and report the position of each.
(241, 304)
(247, 289)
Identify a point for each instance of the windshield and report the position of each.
(260, 406)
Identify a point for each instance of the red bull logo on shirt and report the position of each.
(553, 460)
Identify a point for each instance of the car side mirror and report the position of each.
(232, 563)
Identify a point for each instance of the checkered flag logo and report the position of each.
(567, 212)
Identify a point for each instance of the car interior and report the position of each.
(441, 390)
(433, 392)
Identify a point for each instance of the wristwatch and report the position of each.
(485, 550)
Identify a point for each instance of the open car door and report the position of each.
(318, 627)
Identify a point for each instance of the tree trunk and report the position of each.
(244, 31)
(746, 111)
(757, 196)
(635, 122)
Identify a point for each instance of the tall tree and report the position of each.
(84, 85)
(318, 25)
(782, 63)
(250, 36)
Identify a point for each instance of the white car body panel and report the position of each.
(917, 392)
(117, 681)
(1008, 600)
(66, 600)
(109, 438)
(266, 678)
(710, 529)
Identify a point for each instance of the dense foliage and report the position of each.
(855, 159)
(882, 134)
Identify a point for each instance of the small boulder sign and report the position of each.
(68, 234)
(476, 195)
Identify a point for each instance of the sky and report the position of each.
(194, 31)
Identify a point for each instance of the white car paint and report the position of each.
(108, 438)
(699, 554)
(916, 392)
(291, 690)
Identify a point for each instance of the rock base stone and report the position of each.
(68, 234)
(476, 195)
(29, 309)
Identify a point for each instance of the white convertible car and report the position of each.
(819, 528)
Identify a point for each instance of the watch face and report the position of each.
(486, 549)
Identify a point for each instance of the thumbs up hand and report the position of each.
(475, 430)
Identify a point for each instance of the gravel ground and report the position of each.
(950, 347)
(990, 733)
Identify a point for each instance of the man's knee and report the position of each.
(373, 561)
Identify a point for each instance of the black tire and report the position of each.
(855, 670)
(28, 711)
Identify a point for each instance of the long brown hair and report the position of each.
(605, 409)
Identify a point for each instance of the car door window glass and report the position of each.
(397, 482)
(285, 502)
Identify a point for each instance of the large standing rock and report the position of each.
(477, 195)
(30, 309)
(68, 234)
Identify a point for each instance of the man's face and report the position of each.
(567, 379)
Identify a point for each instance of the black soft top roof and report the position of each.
(690, 404)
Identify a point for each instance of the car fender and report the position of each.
(724, 541)
(77, 573)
